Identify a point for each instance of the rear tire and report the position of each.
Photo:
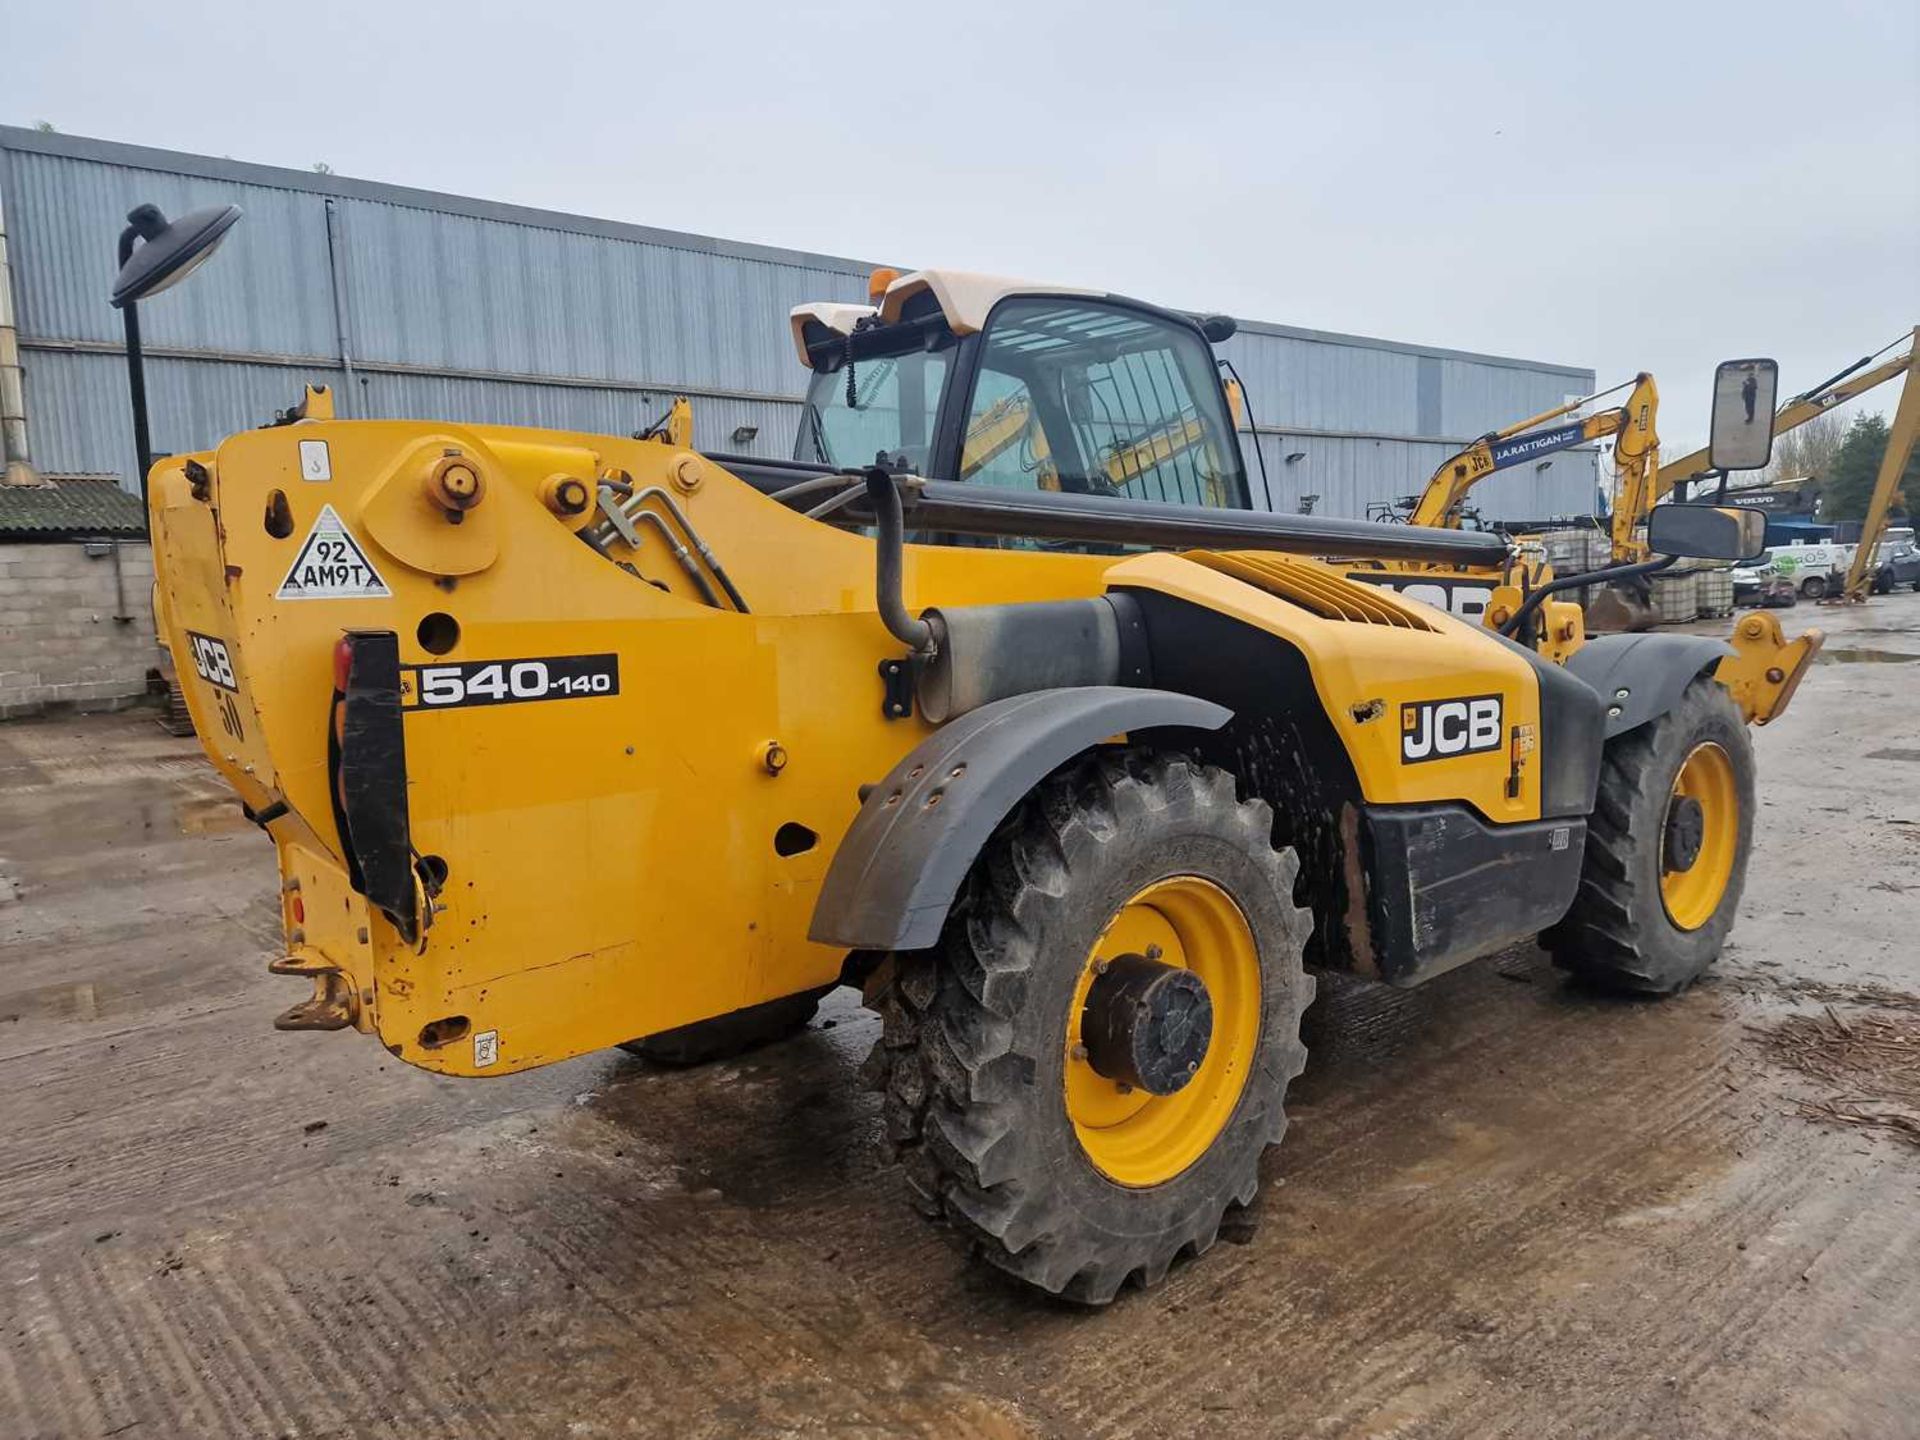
(986, 1089)
(1814, 587)
(725, 1036)
(1641, 922)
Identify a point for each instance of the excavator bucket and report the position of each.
(1618, 608)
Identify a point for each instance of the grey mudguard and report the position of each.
(1652, 670)
(902, 861)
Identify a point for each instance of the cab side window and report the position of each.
(1090, 398)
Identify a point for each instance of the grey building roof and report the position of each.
(71, 508)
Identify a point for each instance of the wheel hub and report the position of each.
(1147, 1024)
(1686, 833)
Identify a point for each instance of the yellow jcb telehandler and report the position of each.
(568, 742)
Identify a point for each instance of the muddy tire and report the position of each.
(725, 1036)
(1658, 885)
(986, 1086)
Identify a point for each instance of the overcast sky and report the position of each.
(1624, 186)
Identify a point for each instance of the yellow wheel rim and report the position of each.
(1135, 1138)
(1692, 895)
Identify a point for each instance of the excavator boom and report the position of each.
(1440, 503)
(1893, 464)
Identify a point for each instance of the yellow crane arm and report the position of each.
(1128, 463)
(1446, 492)
(1900, 441)
(1002, 426)
(1636, 465)
(1007, 422)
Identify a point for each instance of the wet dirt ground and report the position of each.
(1505, 1208)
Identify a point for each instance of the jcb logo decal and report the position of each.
(211, 661)
(1441, 729)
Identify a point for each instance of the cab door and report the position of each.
(1093, 396)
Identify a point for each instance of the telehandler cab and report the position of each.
(568, 741)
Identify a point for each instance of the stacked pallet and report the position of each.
(1575, 551)
(1676, 597)
(1714, 591)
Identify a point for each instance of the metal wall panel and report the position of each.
(455, 292)
(1349, 473)
(79, 407)
(1477, 398)
(1315, 381)
(269, 293)
(527, 317)
(1324, 386)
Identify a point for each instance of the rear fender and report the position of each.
(918, 832)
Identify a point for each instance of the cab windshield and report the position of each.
(1073, 395)
(890, 405)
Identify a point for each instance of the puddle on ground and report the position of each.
(1831, 656)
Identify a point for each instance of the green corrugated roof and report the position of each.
(71, 508)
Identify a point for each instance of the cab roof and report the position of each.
(965, 300)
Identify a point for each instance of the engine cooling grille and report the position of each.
(1313, 587)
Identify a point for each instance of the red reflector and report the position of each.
(342, 663)
(299, 911)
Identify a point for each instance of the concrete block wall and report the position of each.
(60, 645)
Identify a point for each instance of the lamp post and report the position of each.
(156, 254)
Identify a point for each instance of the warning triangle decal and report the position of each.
(331, 566)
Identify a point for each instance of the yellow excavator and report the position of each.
(1470, 591)
(1632, 424)
(569, 741)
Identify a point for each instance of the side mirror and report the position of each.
(1706, 532)
(1218, 328)
(1743, 398)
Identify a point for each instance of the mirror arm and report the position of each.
(1605, 575)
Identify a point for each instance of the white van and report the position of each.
(1815, 569)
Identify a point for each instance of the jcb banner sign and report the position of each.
(1441, 729)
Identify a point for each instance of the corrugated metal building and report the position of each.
(416, 304)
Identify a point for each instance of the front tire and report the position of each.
(1667, 848)
(1049, 1169)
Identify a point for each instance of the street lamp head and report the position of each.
(171, 250)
